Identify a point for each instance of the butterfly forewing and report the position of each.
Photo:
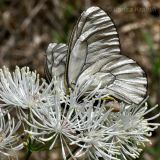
(94, 52)
(93, 38)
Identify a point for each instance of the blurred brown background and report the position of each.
(28, 26)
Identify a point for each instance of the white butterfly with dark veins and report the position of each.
(94, 50)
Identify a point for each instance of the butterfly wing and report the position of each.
(94, 52)
(56, 60)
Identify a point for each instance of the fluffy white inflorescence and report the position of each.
(23, 88)
(84, 128)
(81, 123)
(9, 140)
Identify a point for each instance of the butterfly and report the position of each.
(94, 51)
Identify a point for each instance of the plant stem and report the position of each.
(29, 152)
(28, 155)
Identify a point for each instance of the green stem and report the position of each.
(29, 152)
(28, 155)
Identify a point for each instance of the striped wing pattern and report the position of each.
(119, 76)
(94, 52)
(94, 37)
(56, 59)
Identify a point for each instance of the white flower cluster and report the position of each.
(83, 126)
(9, 140)
(22, 88)
(85, 129)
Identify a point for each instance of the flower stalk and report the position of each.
(29, 151)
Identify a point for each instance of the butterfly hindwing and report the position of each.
(119, 76)
(94, 52)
